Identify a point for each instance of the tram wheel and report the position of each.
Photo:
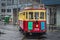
(44, 32)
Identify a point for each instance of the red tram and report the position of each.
(32, 20)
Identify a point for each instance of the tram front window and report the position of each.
(41, 15)
(30, 15)
(36, 15)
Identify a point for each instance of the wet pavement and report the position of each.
(10, 32)
(48, 36)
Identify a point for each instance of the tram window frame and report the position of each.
(23, 13)
(31, 15)
(26, 15)
(36, 13)
(45, 15)
(41, 13)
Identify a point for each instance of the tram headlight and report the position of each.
(36, 25)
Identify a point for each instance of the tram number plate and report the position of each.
(36, 29)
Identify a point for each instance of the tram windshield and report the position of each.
(36, 15)
(41, 15)
(30, 15)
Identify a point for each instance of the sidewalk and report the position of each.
(10, 32)
(4, 28)
(52, 28)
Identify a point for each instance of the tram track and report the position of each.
(34, 38)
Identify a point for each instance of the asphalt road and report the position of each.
(10, 32)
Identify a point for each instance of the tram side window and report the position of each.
(23, 13)
(26, 15)
(36, 15)
(30, 15)
(41, 15)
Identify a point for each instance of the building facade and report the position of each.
(7, 6)
(53, 11)
(11, 8)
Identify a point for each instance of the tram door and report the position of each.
(52, 16)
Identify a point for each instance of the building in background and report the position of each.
(7, 7)
(11, 7)
(53, 11)
(53, 7)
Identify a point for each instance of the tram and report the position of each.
(32, 20)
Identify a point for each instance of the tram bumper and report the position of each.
(35, 32)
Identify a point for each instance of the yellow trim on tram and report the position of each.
(25, 13)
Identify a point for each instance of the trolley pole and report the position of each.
(17, 12)
(27, 2)
(40, 2)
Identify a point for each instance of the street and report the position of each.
(10, 32)
(33, 16)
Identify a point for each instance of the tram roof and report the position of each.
(35, 9)
(31, 8)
